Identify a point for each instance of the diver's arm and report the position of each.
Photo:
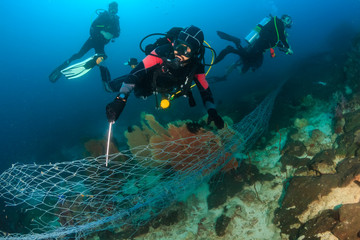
(283, 39)
(208, 100)
(116, 27)
(205, 92)
(139, 73)
(112, 26)
(115, 108)
(106, 25)
(282, 35)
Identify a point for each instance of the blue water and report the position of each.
(43, 121)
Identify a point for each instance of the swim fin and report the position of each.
(228, 37)
(56, 74)
(79, 69)
(111, 85)
(106, 78)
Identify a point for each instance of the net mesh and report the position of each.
(83, 196)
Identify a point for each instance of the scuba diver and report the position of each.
(104, 28)
(268, 34)
(167, 71)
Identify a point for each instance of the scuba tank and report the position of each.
(255, 33)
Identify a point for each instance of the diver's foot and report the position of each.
(96, 60)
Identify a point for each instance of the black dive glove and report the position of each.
(214, 116)
(114, 109)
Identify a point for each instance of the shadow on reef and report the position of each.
(320, 75)
(224, 186)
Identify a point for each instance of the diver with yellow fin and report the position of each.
(104, 28)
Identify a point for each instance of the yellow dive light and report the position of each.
(165, 103)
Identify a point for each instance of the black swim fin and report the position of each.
(56, 74)
(105, 78)
(228, 37)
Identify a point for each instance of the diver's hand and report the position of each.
(107, 35)
(172, 63)
(214, 116)
(289, 51)
(114, 109)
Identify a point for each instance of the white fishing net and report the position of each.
(77, 198)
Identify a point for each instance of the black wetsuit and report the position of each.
(153, 75)
(104, 22)
(252, 56)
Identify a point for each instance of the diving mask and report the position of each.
(183, 49)
(287, 21)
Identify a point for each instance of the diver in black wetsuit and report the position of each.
(268, 34)
(167, 71)
(104, 29)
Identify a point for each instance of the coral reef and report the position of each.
(324, 186)
(188, 147)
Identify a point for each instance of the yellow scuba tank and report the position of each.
(255, 33)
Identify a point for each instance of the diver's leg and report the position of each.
(224, 52)
(230, 38)
(258, 61)
(89, 44)
(99, 46)
(116, 83)
(231, 68)
(111, 85)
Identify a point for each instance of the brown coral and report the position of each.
(177, 146)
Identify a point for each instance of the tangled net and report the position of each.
(77, 198)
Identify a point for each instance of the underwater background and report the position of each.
(43, 122)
